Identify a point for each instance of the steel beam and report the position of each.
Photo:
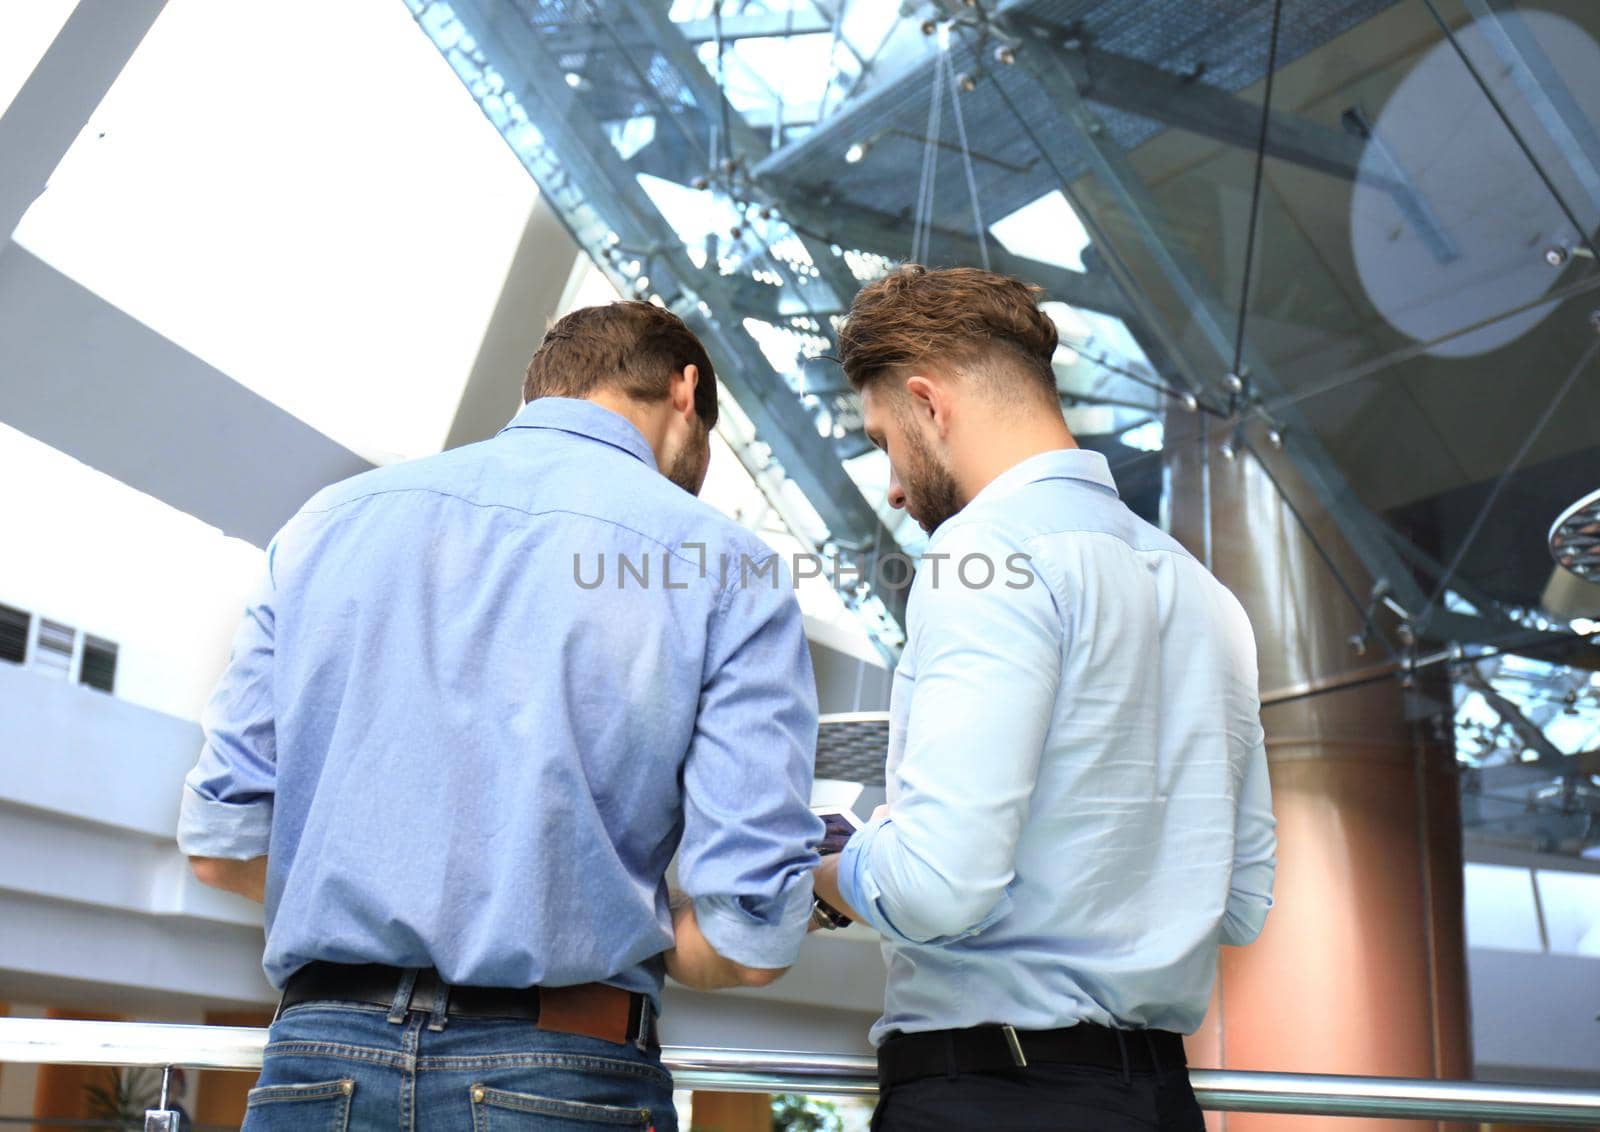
(748, 144)
(661, 35)
(756, 25)
(591, 175)
(851, 226)
(834, 286)
(1187, 104)
(584, 38)
(856, 117)
(1542, 86)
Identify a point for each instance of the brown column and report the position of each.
(220, 1095)
(1362, 966)
(731, 1112)
(61, 1091)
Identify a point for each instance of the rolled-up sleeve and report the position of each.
(749, 836)
(987, 666)
(1255, 858)
(226, 810)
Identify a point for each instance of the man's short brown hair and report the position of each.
(631, 347)
(953, 317)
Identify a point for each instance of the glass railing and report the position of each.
(148, 1044)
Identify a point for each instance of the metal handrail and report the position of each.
(48, 1041)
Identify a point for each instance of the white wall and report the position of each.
(88, 550)
(99, 906)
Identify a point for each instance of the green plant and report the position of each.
(794, 1112)
(126, 1096)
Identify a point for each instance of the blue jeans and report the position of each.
(338, 1066)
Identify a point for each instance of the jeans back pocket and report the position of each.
(496, 1110)
(320, 1107)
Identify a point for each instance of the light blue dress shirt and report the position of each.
(1077, 781)
(460, 744)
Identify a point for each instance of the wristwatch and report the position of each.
(825, 917)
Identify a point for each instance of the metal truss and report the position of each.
(1055, 65)
(1052, 67)
(592, 94)
(1539, 82)
(508, 67)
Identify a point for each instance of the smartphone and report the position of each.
(840, 823)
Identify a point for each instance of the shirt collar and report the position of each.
(1057, 464)
(584, 418)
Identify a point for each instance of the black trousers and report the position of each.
(1043, 1098)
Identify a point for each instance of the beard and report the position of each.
(932, 495)
(688, 467)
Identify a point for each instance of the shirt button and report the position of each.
(477, 1095)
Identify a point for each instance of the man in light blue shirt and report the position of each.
(478, 704)
(1078, 803)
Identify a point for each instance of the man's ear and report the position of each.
(930, 402)
(684, 384)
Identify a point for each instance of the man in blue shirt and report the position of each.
(1078, 803)
(478, 704)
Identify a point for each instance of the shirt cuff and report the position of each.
(739, 936)
(856, 883)
(236, 831)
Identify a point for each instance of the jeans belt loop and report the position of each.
(441, 1004)
(641, 1040)
(402, 996)
(1150, 1044)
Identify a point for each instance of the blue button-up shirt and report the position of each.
(1077, 781)
(483, 697)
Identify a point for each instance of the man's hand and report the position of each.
(826, 879)
(695, 963)
(246, 878)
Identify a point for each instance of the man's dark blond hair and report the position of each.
(957, 319)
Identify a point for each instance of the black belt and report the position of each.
(600, 1011)
(997, 1049)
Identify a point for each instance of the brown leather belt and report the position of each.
(594, 1010)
